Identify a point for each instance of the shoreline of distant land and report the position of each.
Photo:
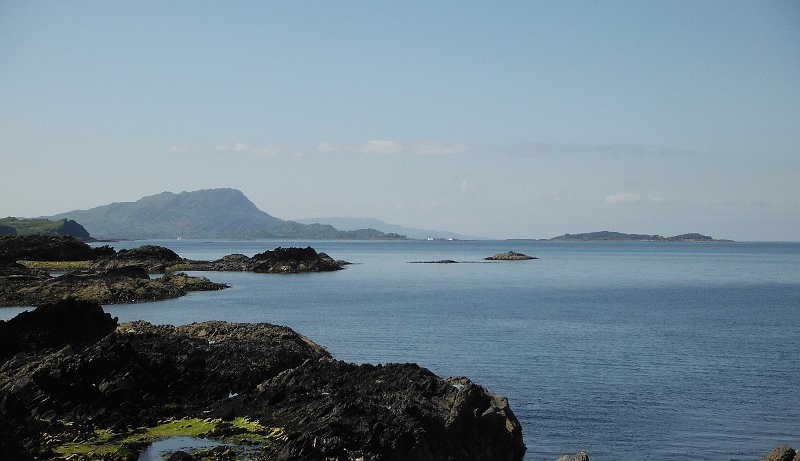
(609, 236)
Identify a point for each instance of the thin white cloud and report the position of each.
(381, 147)
(467, 187)
(177, 150)
(438, 148)
(245, 148)
(378, 147)
(630, 197)
(326, 147)
(538, 149)
(624, 197)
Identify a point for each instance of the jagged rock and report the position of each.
(48, 248)
(510, 256)
(154, 258)
(280, 260)
(122, 277)
(580, 456)
(54, 326)
(140, 374)
(785, 453)
(336, 410)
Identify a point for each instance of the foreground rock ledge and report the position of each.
(68, 369)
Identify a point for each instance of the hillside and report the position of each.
(210, 213)
(15, 226)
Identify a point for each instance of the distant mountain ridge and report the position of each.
(210, 213)
(410, 232)
(620, 236)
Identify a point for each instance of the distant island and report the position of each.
(623, 237)
(210, 213)
(347, 224)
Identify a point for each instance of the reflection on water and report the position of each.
(162, 449)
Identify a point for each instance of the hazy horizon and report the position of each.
(510, 120)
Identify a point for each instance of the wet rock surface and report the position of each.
(59, 390)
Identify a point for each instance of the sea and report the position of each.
(628, 350)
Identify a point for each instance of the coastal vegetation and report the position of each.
(104, 443)
(42, 226)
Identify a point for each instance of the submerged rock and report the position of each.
(580, 456)
(140, 374)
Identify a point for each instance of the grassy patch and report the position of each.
(56, 266)
(126, 446)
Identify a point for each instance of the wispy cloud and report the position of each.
(438, 148)
(624, 197)
(381, 147)
(245, 148)
(389, 147)
(177, 150)
(630, 197)
(375, 147)
(538, 149)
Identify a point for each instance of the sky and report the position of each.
(508, 119)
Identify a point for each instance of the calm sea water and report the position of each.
(627, 350)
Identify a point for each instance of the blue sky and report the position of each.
(509, 120)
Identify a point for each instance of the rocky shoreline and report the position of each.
(110, 277)
(70, 374)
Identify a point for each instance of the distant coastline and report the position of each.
(623, 237)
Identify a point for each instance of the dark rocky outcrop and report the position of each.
(48, 248)
(153, 258)
(128, 284)
(62, 390)
(785, 453)
(509, 256)
(279, 260)
(53, 326)
(111, 277)
(335, 410)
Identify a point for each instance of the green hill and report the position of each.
(210, 213)
(15, 226)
